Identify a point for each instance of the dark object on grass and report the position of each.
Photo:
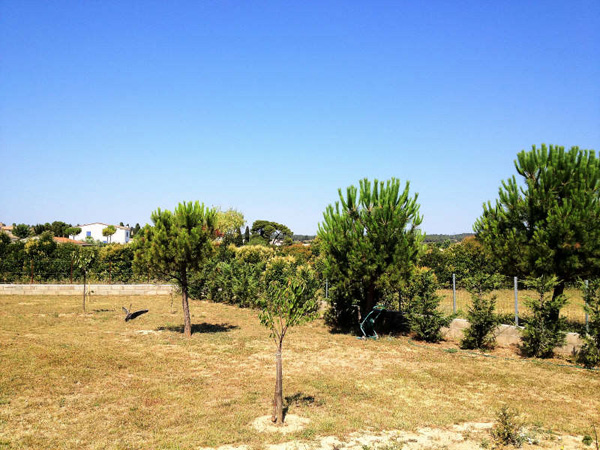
(367, 326)
(132, 315)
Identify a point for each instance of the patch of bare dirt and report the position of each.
(291, 424)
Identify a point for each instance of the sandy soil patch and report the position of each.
(291, 424)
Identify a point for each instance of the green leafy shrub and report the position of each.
(424, 317)
(482, 313)
(546, 329)
(589, 354)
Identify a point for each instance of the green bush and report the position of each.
(482, 313)
(589, 354)
(546, 329)
(508, 429)
(424, 317)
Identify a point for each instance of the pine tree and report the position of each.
(178, 243)
(370, 242)
(549, 225)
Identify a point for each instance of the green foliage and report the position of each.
(22, 231)
(72, 231)
(548, 224)
(177, 242)
(370, 242)
(546, 329)
(589, 354)
(109, 231)
(271, 232)
(482, 313)
(288, 298)
(422, 306)
(59, 229)
(465, 259)
(508, 429)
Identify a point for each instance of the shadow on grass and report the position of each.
(201, 328)
(299, 399)
(102, 310)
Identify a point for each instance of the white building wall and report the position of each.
(122, 235)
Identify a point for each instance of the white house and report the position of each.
(94, 230)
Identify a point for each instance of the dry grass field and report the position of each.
(74, 380)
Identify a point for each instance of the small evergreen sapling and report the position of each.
(482, 313)
(424, 317)
(546, 329)
(589, 355)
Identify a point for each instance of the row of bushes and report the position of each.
(44, 260)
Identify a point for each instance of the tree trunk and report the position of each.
(187, 323)
(370, 300)
(278, 400)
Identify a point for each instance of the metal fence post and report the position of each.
(454, 293)
(516, 303)
(587, 318)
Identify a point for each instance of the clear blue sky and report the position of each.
(110, 109)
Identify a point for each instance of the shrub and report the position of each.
(589, 354)
(546, 329)
(424, 317)
(481, 315)
(508, 429)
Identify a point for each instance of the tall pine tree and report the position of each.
(548, 223)
(370, 241)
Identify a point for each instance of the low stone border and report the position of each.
(96, 289)
(509, 335)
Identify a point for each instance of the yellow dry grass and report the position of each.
(74, 380)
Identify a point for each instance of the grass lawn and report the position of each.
(74, 380)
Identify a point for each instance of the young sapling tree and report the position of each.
(546, 329)
(288, 300)
(83, 260)
(589, 355)
(178, 243)
(482, 317)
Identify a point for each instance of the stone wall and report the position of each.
(77, 289)
(508, 335)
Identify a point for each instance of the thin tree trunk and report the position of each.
(370, 300)
(278, 401)
(187, 323)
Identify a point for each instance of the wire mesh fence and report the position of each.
(510, 302)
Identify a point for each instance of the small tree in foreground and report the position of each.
(83, 260)
(423, 314)
(589, 355)
(178, 243)
(545, 329)
(482, 315)
(288, 300)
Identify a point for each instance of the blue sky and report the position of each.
(111, 109)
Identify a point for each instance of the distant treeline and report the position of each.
(303, 237)
(446, 237)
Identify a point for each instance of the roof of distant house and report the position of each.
(105, 224)
(63, 240)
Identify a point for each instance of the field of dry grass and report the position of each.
(74, 380)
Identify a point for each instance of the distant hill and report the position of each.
(446, 237)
